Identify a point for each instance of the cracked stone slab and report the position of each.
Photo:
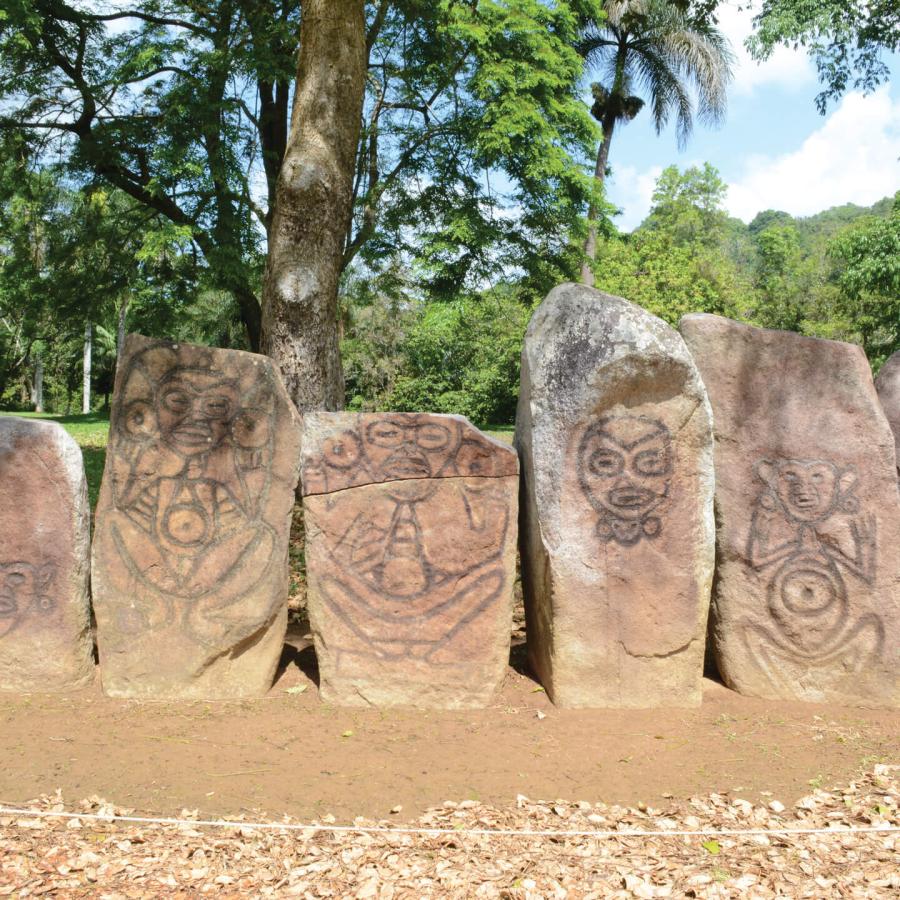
(410, 554)
(190, 557)
(45, 628)
(887, 384)
(617, 535)
(807, 600)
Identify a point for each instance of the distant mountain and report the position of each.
(819, 228)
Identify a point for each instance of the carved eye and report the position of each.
(342, 451)
(432, 437)
(250, 428)
(474, 460)
(606, 463)
(15, 579)
(384, 434)
(177, 401)
(138, 420)
(216, 406)
(651, 462)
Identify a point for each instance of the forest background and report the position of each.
(470, 201)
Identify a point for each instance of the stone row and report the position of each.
(724, 490)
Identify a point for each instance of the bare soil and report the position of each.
(291, 754)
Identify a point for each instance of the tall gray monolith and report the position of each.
(190, 556)
(45, 626)
(807, 600)
(613, 428)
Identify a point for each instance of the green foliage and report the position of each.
(847, 39)
(677, 262)
(472, 161)
(460, 356)
(867, 257)
(780, 292)
(72, 256)
(833, 275)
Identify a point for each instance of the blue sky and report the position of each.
(774, 151)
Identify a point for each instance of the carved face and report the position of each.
(808, 489)
(625, 465)
(16, 584)
(195, 410)
(22, 585)
(401, 447)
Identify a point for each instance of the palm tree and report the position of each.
(654, 48)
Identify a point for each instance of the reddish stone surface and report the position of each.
(45, 633)
(887, 384)
(807, 601)
(190, 571)
(410, 530)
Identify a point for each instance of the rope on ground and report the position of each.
(481, 832)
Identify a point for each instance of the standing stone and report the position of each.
(190, 568)
(888, 386)
(614, 432)
(45, 623)
(410, 554)
(807, 602)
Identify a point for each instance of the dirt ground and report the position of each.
(291, 754)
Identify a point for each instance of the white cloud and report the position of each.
(786, 68)
(632, 192)
(852, 158)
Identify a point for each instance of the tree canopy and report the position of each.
(473, 136)
(847, 39)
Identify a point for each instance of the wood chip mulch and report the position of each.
(79, 857)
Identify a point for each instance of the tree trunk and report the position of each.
(120, 331)
(590, 245)
(39, 385)
(312, 204)
(86, 378)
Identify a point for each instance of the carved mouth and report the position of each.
(805, 500)
(630, 497)
(193, 435)
(407, 467)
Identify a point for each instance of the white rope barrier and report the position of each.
(483, 832)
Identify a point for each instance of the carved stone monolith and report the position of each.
(613, 428)
(45, 624)
(807, 600)
(410, 554)
(887, 384)
(190, 564)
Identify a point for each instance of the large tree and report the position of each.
(658, 52)
(469, 152)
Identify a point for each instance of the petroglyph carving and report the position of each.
(25, 589)
(807, 534)
(191, 449)
(625, 467)
(421, 558)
